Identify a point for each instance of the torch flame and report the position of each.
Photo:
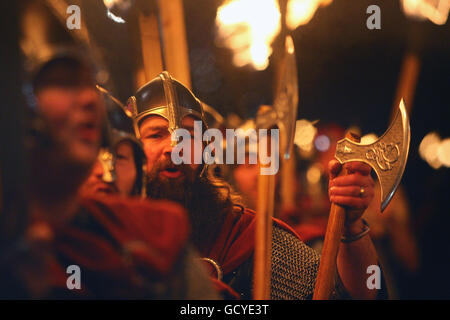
(434, 10)
(248, 27)
(122, 4)
(300, 12)
(290, 45)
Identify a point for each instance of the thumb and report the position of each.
(334, 167)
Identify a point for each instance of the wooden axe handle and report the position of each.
(263, 232)
(263, 237)
(335, 229)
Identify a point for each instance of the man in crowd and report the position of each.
(223, 231)
(119, 168)
(123, 248)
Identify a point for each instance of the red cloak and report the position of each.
(236, 242)
(119, 244)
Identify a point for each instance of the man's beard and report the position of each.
(206, 210)
(176, 189)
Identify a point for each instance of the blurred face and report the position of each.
(246, 179)
(164, 177)
(109, 176)
(102, 178)
(69, 102)
(126, 172)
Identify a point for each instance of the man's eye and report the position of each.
(153, 136)
(121, 157)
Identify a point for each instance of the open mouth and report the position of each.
(171, 172)
(103, 188)
(89, 131)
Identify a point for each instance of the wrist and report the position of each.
(355, 231)
(354, 227)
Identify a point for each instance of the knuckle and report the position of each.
(355, 179)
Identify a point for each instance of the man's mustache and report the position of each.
(168, 164)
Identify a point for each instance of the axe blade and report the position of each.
(286, 100)
(387, 156)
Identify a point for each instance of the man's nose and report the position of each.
(98, 171)
(168, 146)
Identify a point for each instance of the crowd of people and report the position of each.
(113, 204)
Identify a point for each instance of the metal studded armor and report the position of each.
(294, 271)
(294, 267)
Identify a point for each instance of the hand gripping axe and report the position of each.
(387, 156)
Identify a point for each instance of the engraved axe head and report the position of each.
(387, 155)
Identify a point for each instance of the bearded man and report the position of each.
(223, 230)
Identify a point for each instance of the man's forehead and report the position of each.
(159, 122)
(124, 145)
(65, 72)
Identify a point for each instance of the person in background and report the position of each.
(123, 248)
(119, 169)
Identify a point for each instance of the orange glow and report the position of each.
(248, 27)
(434, 10)
(369, 138)
(314, 173)
(305, 131)
(300, 12)
(121, 4)
(443, 152)
(434, 151)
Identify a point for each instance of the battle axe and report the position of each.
(387, 156)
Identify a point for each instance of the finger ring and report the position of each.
(361, 192)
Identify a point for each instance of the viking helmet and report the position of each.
(166, 97)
